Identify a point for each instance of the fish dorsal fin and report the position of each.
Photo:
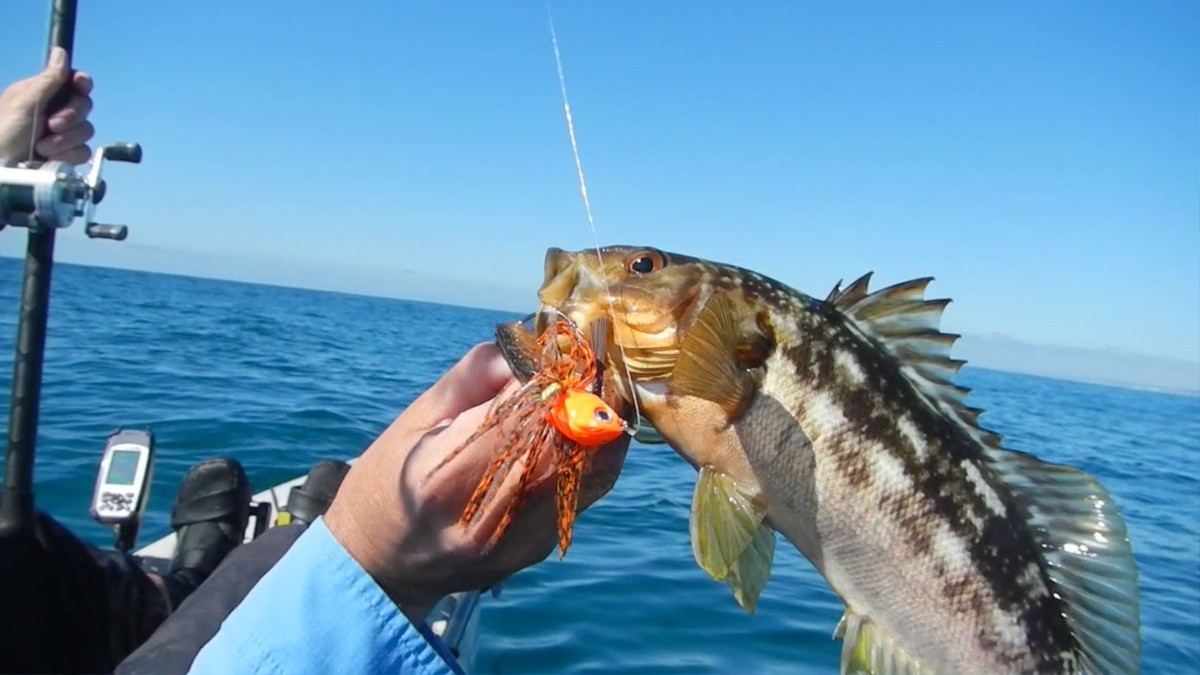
(856, 291)
(868, 649)
(707, 365)
(1088, 555)
(1082, 534)
(900, 322)
(833, 293)
(905, 325)
(729, 539)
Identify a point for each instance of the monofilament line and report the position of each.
(33, 133)
(562, 87)
(587, 207)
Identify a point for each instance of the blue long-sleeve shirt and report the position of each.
(318, 611)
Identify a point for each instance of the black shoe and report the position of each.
(309, 501)
(210, 516)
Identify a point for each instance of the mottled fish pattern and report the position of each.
(836, 422)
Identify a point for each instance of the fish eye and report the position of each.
(602, 415)
(645, 262)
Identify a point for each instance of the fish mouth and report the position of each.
(558, 297)
(571, 290)
(517, 340)
(632, 329)
(518, 344)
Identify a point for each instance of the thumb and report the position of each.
(47, 83)
(477, 377)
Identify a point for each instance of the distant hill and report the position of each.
(1100, 366)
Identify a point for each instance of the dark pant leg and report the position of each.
(66, 607)
(181, 637)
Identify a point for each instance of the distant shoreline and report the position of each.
(1093, 382)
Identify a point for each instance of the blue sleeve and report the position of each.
(318, 611)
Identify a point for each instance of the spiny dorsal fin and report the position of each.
(835, 291)
(707, 365)
(853, 293)
(901, 322)
(1084, 540)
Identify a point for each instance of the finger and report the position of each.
(77, 155)
(436, 444)
(82, 83)
(450, 465)
(477, 377)
(448, 468)
(70, 142)
(603, 472)
(46, 84)
(74, 113)
(525, 505)
(467, 469)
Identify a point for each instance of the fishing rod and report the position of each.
(44, 196)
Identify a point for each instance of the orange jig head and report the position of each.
(584, 417)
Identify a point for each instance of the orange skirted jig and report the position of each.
(584, 417)
(561, 410)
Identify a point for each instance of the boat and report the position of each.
(455, 619)
(45, 196)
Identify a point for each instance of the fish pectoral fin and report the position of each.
(869, 649)
(1090, 559)
(749, 574)
(723, 523)
(707, 365)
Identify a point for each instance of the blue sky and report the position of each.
(1038, 159)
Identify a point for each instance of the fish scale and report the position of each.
(973, 569)
(836, 423)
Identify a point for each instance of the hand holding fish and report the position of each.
(400, 519)
(61, 135)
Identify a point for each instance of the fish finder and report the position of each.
(123, 483)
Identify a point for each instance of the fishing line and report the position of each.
(587, 207)
(33, 133)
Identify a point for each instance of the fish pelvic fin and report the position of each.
(707, 365)
(749, 573)
(1084, 540)
(868, 649)
(730, 541)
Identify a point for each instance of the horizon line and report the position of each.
(1094, 381)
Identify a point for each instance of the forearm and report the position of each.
(318, 610)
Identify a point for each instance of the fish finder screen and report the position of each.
(123, 468)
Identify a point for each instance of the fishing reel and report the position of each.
(43, 195)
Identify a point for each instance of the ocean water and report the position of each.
(281, 378)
